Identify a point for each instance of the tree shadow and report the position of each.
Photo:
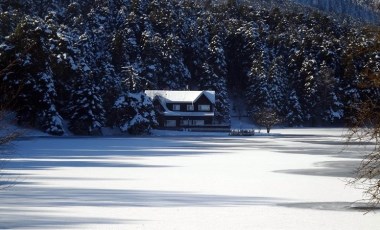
(44, 153)
(18, 199)
(334, 148)
(53, 197)
(350, 154)
(332, 206)
(346, 169)
(21, 219)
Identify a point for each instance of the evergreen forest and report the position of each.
(86, 63)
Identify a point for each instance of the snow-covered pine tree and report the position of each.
(86, 107)
(118, 48)
(350, 86)
(309, 91)
(9, 21)
(110, 87)
(163, 16)
(353, 62)
(331, 106)
(132, 80)
(196, 46)
(48, 117)
(293, 111)
(258, 88)
(210, 81)
(278, 85)
(152, 49)
(237, 57)
(217, 58)
(175, 72)
(213, 78)
(163, 62)
(31, 76)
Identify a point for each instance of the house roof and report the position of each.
(168, 96)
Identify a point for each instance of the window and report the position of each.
(170, 123)
(176, 107)
(203, 107)
(190, 107)
(198, 122)
(186, 122)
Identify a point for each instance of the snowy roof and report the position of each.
(180, 96)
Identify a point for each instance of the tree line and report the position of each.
(89, 62)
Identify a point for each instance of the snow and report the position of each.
(180, 96)
(5, 47)
(293, 179)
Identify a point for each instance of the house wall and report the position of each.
(188, 121)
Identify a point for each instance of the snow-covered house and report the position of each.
(183, 108)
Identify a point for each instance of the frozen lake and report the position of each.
(295, 179)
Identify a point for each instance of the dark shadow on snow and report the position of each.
(14, 200)
(332, 206)
(344, 169)
(21, 219)
(52, 197)
(350, 154)
(43, 153)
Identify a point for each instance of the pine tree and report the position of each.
(196, 47)
(330, 105)
(213, 78)
(211, 81)
(48, 117)
(162, 16)
(87, 113)
(132, 79)
(152, 48)
(258, 90)
(293, 111)
(176, 73)
(309, 93)
(31, 75)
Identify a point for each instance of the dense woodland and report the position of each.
(367, 10)
(88, 62)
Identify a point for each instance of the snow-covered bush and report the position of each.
(134, 113)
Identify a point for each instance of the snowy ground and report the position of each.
(294, 179)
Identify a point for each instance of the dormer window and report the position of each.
(190, 107)
(203, 107)
(176, 107)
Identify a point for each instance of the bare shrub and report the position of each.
(366, 129)
(267, 118)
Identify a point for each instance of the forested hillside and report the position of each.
(88, 62)
(365, 10)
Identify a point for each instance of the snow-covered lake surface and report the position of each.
(293, 179)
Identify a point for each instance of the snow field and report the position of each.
(283, 181)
